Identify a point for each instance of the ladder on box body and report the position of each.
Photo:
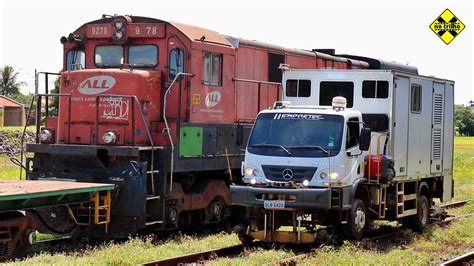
(401, 198)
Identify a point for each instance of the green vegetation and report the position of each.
(464, 121)
(8, 81)
(9, 170)
(436, 244)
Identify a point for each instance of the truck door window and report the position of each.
(375, 89)
(298, 88)
(176, 62)
(108, 56)
(331, 89)
(143, 55)
(212, 69)
(415, 98)
(352, 135)
(75, 59)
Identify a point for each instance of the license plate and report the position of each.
(274, 204)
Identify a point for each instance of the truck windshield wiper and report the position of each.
(272, 145)
(309, 147)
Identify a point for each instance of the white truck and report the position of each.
(345, 147)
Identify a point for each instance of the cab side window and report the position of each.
(213, 69)
(75, 60)
(353, 129)
(176, 62)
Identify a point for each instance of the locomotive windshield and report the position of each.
(296, 134)
(109, 56)
(143, 55)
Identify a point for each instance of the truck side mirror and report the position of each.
(364, 139)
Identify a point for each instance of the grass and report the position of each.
(8, 169)
(133, 251)
(436, 244)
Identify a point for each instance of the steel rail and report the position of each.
(466, 259)
(199, 256)
(455, 204)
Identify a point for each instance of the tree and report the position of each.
(8, 84)
(464, 120)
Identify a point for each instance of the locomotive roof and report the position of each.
(195, 34)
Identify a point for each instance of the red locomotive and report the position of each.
(161, 110)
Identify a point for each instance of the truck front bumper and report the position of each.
(305, 198)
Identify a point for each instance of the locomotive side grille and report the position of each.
(275, 173)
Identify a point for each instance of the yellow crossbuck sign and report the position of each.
(447, 26)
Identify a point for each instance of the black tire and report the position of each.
(357, 221)
(246, 240)
(419, 221)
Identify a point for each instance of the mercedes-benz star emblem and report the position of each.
(287, 174)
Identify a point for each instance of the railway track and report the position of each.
(466, 259)
(198, 257)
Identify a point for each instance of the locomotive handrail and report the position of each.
(166, 122)
(37, 99)
(38, 112)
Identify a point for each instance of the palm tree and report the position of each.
(8, 83)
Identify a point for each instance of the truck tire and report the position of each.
(419, 221)
(357, 221)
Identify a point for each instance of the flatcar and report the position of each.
(162, 110)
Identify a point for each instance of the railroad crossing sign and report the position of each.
(447, 26)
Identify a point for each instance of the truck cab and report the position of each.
(305, 147)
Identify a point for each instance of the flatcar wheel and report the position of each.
(357, 221)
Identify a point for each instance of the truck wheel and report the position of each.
(419, 221)
(357, 222)
(246, 240)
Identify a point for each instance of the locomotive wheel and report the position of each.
(419, 221)
(357, 221)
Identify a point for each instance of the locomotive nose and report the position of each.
(109, 100)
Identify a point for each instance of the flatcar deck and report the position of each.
(27, 194)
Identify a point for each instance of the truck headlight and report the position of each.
(109, 137)
(331, 175)
(323, 175)
(249, 171)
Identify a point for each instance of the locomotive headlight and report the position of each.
(333, 175)
(109, 137)
(253, 181)
(118, 24)
(305, 183)
(45, 135)
(118, 35)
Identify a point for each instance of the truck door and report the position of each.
(437, 128)
(401, 94)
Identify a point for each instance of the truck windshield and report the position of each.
(296, 134)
